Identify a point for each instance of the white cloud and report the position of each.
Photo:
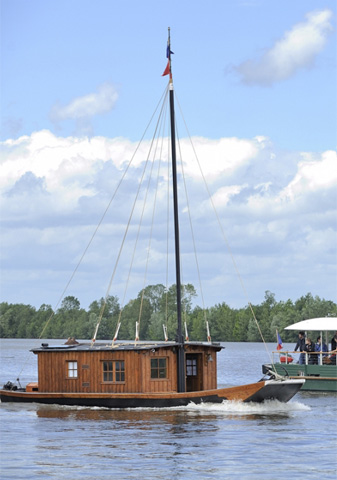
(221, 156)
(87, 106)
(70, 168)
(54, 190)
(314, 174)
(67, 165)
(296, 50)
(222, 197)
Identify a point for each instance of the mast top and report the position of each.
(168, 69)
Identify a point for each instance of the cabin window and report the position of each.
(191, 367)
(119, 371)
(72, 369)
(158, 368)
(113, 371)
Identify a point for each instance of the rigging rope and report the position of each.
(99, 223)
(223, 233)
(194, 244)
(138, 232)
(167, 237)
(153, 214)
(123, 242)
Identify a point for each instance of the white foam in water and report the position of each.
(270, 407)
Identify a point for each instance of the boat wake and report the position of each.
(270, 407)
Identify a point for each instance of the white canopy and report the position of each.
(315, 324)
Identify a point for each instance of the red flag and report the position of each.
(167, 69)
(279, 341)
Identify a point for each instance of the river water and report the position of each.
(296, 440)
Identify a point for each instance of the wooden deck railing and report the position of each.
(324, 358)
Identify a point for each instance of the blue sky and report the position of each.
(256, 81)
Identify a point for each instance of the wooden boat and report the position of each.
(141, 374)
(320, 374)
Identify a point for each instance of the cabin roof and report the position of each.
(120, 346)
(315, 324)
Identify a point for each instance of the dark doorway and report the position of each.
(194, 372)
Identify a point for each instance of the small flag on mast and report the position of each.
(279, 341)
(169, 52)
(167, 69)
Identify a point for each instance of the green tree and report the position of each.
(240, 329)
(158, 306)
(70, 303)
(156, 330)
(222, 322)
(15, 320)
(198, 331)
(155, 294)
(39, 321)
(253, 334)
(137, 310)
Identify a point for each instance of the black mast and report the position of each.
(180, 337)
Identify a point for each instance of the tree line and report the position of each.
(155, 306)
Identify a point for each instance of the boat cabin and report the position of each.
(141, 367)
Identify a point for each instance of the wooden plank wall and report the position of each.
(52, 371)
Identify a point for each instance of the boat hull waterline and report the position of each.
(258, 392)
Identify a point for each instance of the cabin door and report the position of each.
(194, 381)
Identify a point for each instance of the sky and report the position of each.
(256, 82)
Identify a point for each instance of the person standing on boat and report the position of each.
(301, 346)
(321, 347)
(333, 349)
(310, 348)
(334, 342)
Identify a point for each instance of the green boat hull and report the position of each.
(319, 378)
